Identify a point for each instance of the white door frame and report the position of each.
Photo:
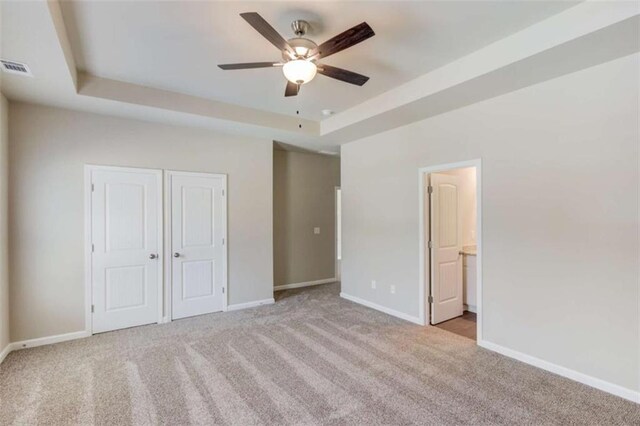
(88, 237)
(337, 263)
(168, 237)
(424, 281)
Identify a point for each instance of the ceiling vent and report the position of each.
(15, 68)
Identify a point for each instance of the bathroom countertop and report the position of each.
(470, 250)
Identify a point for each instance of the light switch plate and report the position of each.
(392, 289)
(316, 230)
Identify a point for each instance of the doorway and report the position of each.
(451, 247)
(124, 247)
(196, 206)
(125, 264)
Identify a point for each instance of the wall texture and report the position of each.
(304, 198)
(560, 216)
(48, 149)
(4, 238)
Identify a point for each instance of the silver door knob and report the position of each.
(176, 254)
(153, 256)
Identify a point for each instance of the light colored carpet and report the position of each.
(312, 358)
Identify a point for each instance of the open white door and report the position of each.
(446, 244)
(198, 246)
(126, 236)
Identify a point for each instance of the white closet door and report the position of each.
(126, 232)
(446, 243)
(197, 243)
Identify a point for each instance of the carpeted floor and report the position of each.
(312, 358)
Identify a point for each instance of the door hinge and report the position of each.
(223, 289)
(93, 248)
(223, 241)
(430, 244)
(430, 299)
(223, 192)
(430, 189)
(93, 187)
(93, 308)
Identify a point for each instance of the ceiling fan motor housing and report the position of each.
(302, 47)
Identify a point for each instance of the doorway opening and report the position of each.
(451, 247)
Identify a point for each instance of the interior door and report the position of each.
(446, 244)
(126, 234)
(198, 243)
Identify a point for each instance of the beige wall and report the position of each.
(4, 243)
(4, 239)
(48, 149)
(560, 216)
(304, 198)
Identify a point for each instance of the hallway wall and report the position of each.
(303, 199)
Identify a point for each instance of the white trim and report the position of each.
(304, 284)
(166, 292)
(247, 305)
(88, 287)
(48, 340)
(388, 311)
(42, 341)
(337, 261)
(168, 238)
(600, 384)
(470, 308)
(421, 238)
(88, 238)
(7, 349)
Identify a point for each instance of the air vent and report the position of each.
(15, 68)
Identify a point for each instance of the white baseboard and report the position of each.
(32, 343)
(304, 284)
(41, 341)
(248, 305)
(388, 311)
(471, 308)
(611, 388)
(5, 352)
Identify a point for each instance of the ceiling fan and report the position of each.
(300, 55)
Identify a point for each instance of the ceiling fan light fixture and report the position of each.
(299, 71)
(299, 54)
(301, 51)
(301, 48)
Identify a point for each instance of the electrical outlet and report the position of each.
(392, 289)
(316, 230)
(373, 284)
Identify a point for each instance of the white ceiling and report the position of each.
(176, 46)
(461, 53)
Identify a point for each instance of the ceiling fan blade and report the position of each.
(344, 40)
(249, 65)
(292, 89)
(343, 75)
(267, 31)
